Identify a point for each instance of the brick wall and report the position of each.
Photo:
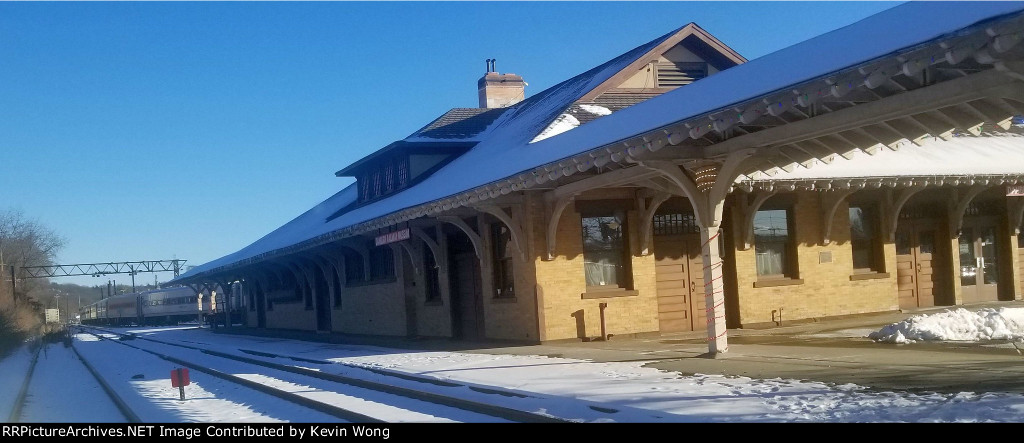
(827, 289)
(377, 309)
(290, 314)
(560, 283)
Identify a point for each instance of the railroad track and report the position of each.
(19, 411)
(428, 402)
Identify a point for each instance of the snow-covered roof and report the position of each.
(507, 149)
(963, 155)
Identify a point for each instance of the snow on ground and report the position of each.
(12, 375)
(629, 392)
(956, 325)
(143, 382)
(62, 390)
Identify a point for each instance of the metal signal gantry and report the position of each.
(98, 269)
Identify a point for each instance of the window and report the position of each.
(431, 276)
(773, 243)
(382, 263)
(353, 268)
(606, 263)
(504, 278)
(383, 178)
(675, 224)
(864, 239)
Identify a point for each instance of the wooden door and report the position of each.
(680, 282)
(466, 303)
(916, 279)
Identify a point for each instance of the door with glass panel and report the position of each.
(979, 261)
(916, 279)
(679, 273)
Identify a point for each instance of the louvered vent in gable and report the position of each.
(673, 74)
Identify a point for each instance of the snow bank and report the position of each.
(958, 325)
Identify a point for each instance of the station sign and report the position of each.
(391, 237)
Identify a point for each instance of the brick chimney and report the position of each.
(500, 90)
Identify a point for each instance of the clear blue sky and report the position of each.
(151, 131)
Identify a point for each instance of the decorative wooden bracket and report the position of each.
(415, 259)
(748, 210)
(554, 213)
(1015, 210)
(829, 202)
(440, 258)
(478, 245)
(895, 200)
(516, 230)
(647, 217)
(959, 207)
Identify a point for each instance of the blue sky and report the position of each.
(152, 130)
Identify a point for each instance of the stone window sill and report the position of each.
(868, 276)
(607, 293)
(778, 282)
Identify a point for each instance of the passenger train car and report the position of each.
(165, 306)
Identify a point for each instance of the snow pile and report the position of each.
(561, 124)
(596, 110)
(958, 325)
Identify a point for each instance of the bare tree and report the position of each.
(24, 242)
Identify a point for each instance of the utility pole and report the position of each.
(14, 288)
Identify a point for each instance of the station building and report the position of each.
(678, 187)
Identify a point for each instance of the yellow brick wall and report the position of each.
(371, 309)
(560, 283)
(434, 320)
(827, 289)
(513, 320)
(289, 315)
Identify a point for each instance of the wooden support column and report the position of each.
(708, 200)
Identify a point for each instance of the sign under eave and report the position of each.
(391, 237)
(1015, 191)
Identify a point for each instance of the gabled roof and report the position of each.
(704, 44)
(507, 151)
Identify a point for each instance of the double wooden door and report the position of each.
(917, 280)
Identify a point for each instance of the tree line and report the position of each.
(23, 242)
